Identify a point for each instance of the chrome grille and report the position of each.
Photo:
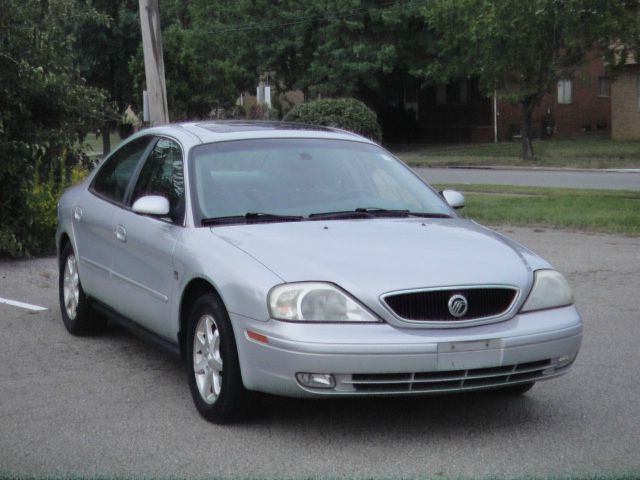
(455, 380)
(432, 305)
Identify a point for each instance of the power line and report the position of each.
(243, 27)
(391, 5)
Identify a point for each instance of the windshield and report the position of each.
(303, 179)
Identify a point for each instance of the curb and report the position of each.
(537, 169)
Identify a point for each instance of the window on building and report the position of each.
(441, 95)
(463, 85)
(454, 93)
(638, 90)
(565, 91)
(603, 86)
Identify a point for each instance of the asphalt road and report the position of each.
(114, 405)
(591, 179)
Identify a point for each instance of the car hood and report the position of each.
(373, 257)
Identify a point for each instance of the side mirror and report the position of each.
(154, 205)
(454, 198)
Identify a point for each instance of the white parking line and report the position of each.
(27, 306)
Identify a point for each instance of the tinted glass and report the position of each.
(162, 175)
(303, 177)
(113, 178)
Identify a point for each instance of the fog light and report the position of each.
(565, 360)
(316, 380)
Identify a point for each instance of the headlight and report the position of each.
(550, 289)
(315, 302)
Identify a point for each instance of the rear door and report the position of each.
(94, 218)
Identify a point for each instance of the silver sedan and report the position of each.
(304, 261)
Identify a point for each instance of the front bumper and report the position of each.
(380, 359)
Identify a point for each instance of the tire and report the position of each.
(77, 315)
(515, 390)
(214, 374)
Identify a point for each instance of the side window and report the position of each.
(114, 176)
(163, 175)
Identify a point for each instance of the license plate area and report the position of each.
(470, 355)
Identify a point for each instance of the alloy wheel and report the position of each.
(71, 287)
(207, 361)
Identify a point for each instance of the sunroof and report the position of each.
(240, 126)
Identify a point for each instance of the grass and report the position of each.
(573, 153)
(603, 211)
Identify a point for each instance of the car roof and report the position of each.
(224, 130)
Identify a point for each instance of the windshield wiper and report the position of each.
(429, 215)
(382, 212)
(360, 212)
(342, 215)
(372, 212)
(251, 217)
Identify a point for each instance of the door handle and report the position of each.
(121, 233)
(77, 213)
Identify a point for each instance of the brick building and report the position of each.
(625, 103)
(458, 112)
(581, 105)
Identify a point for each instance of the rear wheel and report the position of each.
(212, 363)
(77, 315)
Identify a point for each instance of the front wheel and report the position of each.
(212, 363)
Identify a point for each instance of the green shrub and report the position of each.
(32, 231)
(9, 244)
(345, 113)
(40, 212)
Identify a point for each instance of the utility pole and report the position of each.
(495, 116)
(153, 61)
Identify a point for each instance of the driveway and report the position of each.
(113, 405)
(590, 179)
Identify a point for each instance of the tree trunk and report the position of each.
(105, 131)
(527, 146)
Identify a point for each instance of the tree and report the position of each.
(522, 49)
(105, 44)
(215, 49)
(46, 108)
(357, 44)
(207, 63)
(337, 48)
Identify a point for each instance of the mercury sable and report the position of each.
(304, 261)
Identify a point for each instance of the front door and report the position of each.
(143, 267)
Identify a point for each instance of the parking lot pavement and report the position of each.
(114, 405)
